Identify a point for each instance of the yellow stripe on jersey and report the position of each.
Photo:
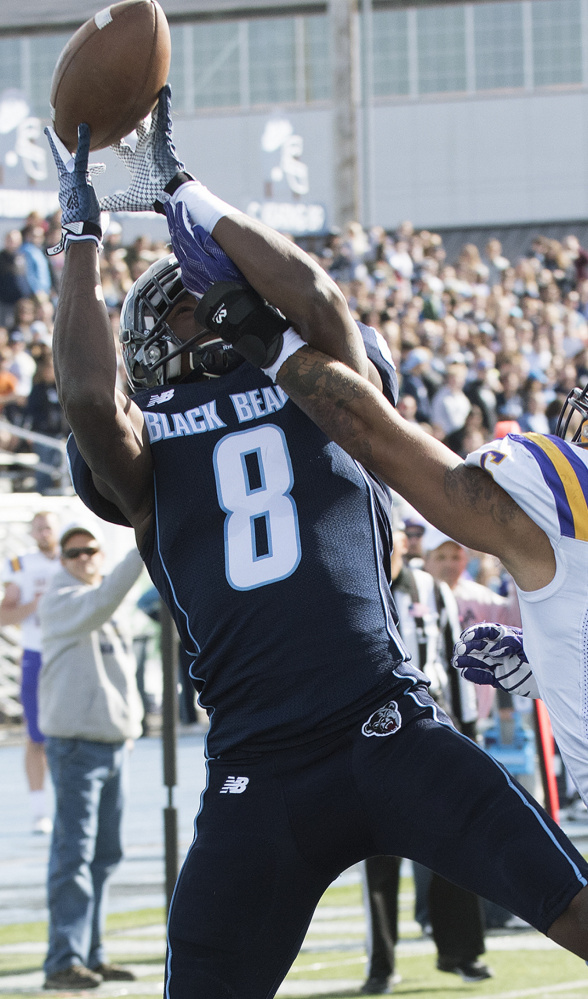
(571, 486)
(15, 564)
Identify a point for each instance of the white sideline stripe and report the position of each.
(23, 984)
(146, 944)
(321, 965)
(320, 986)
(540, 990)
(328, 986)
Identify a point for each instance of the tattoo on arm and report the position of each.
(344, 405)
(328, 393)
(475, 489)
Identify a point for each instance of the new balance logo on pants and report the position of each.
(234, 785)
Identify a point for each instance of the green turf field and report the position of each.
(331, 963)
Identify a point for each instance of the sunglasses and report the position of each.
(76, 552)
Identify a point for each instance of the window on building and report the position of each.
(557, 42)
(317, 58)
(272, 60)
(10, 64)
(216, 65)
(390, 52)
(214, 60)
(177, 69)
(43, 54)
(441, 49)
(498, 40)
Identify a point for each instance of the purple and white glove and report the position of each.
(201, 259)
(493, 654)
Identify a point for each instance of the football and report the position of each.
(110, 72)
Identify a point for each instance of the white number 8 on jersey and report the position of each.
(253, 481)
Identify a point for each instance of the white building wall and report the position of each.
(483, 161)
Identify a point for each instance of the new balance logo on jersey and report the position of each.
(163, 397)
(385, 721)
(220, 314)
(234, 785)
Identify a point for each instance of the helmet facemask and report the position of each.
(151, 351)
(574, 412)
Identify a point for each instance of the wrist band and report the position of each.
(88, 238)
(170, 188)
(292, 343)
(182, 177)
(77, 232)
(203, 207)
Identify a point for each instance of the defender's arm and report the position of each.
(292, 281)
(463, 502)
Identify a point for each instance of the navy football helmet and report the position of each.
(576, 402)
(152, 353)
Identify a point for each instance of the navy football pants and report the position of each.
(273, 834)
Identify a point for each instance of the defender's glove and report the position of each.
(243, 319)
(152, 165)
(201, 259)
(80, 211)
(494, 654)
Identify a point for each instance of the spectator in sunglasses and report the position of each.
(90, 710)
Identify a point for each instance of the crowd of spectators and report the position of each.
(483, 344)
(29, 290)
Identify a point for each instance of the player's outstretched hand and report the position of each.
(80, 210)
(152, 164)
(494, 654)
(201, 259)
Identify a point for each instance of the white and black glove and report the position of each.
(152, 164)
(80, 210)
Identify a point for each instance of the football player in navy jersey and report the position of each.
(270, 546)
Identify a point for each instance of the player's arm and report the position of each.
(292, 281)
(12, 611)
(108, 427)
(463, 502)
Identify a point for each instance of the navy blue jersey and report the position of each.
(267, 546)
